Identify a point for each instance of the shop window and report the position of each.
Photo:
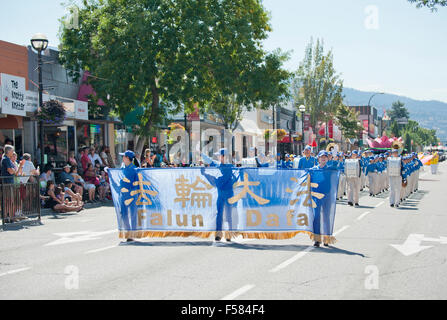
(90, 134)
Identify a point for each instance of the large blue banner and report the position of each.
(255, 203)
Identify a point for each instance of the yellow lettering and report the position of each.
(195, 218)
(141, 216)
(156, 219)
(250, 222)
(169, 217)
(273, 220)
(303, 220)
(184, 222)
(289, 217)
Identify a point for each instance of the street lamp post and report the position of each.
(302, 109)
(369, 111)
(39, 42)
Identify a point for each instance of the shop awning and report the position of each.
(133, 117)
(249, 126)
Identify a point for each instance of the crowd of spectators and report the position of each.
(82, 180)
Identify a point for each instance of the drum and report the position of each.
(394, 166)
(249, 163)
(352, 168)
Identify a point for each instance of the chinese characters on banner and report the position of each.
(190, 201)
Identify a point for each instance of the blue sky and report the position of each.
(378, 45)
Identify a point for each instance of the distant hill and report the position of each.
(429, 114)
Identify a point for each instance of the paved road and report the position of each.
(80, 257)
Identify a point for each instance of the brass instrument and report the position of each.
(397, 145)
(331, 146)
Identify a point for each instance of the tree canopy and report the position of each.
(169, 55)
(431, 4)
(398, 110)
(317, 85)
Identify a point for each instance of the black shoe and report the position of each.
(392, 205)
(217, 238)
(350, 203)
(228, 240)
(326, 244)
(130, 240)
(356, 204)
(397, 206)
(317, 244)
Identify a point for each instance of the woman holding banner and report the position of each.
(322, 224)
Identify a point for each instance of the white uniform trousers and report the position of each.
(372, 177)
(341, 185)
(353, 189)
(395, 189)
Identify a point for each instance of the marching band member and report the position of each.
(395, 169)
(354, 181)
(307, 161)
(342, 182)
(371, 173)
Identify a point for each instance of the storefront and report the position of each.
(11, 132)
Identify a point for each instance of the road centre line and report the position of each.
(341, 230)
(101, 249)
(296, 257)
(13, 271)
(363, 215)
(378, 205)
(238, 292)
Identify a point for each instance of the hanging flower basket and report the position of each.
(52, 112)
(280, 134)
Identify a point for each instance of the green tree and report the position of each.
(431, 4)
(168, 55)
(317, 85)
(347, 120)
(272, 85)
(398, 111)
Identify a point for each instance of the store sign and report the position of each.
(266, 118)
(81, 110)
(74, 108)
(306, 121)
(13, 95)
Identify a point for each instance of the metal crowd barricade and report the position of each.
(19, 198)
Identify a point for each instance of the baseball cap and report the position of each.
(221, 152)
(129, 154)
(323, 153)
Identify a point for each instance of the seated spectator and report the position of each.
(104, 189)
(148, 161)
(87, 186)
(110, 161)
(103, 156)
(91, 177)
(85, 160)
(65, 175)
(67, 187)
(46, 176)
(93, 156)
(71, 159)
(55, 200)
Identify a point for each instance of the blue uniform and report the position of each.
(307, 163)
